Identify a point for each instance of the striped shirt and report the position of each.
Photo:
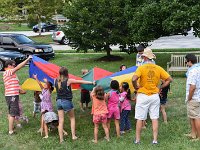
(11, 83)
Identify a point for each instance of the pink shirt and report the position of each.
(125, 104)
(113, 101)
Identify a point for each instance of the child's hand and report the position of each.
(35, 76)
(45, 80)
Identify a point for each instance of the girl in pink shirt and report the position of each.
(113, 105)
(125, 98)
(99, 112)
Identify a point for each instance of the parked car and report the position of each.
(23, 44)
(44, 27)
(59, 36)
(10, 55)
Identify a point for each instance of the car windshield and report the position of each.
(21, 39)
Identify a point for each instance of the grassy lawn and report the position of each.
(13, 27)
(170, 135)
(42, 39)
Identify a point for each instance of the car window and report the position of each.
(21, 39)
(7, 41)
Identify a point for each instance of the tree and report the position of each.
(96, 24)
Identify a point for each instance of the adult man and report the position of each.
(12, 88)
(193, 95)
(148, 99)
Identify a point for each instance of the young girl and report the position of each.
(122, 67)
(99, 111)
(64, 100)
(113, 105)
(37, 103)
(124, 98)
(46, 104)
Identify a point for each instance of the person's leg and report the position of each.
(164, 114)
(45, 130)
(108, 124)
(197, 126)
(127, 121)
(86, 105)
(138, 130)
(117, 127)
(61, 124)
(11, 123)
(72, 122)
(155, 129)
(122, 121)
(81, 106)
(96, 129)
(42, 124)
(105, 127)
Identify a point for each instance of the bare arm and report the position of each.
(71, 81)
(40, 84)
(134, 82)
(166, 82)
(191, 92)
(22, 64)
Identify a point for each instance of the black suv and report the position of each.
(21, 43)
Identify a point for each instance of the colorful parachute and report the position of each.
(94, 75)
(44, 69)
(121, 76)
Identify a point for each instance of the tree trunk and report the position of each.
(108, 50)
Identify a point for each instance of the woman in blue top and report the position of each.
(64, 100)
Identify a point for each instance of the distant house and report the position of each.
(60, 19)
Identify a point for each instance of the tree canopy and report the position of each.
(101, 23)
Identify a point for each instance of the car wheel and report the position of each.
(1, 64)
(27, 54)
(65, 41)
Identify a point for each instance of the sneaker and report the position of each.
(155, 142)
(11, 132)
(108, 139)
(122, 132)
(19, 126)
(136, 142)
(46, 137)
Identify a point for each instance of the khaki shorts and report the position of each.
(193, 109)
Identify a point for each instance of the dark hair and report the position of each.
(120, 68)
(114, 85)
(9, 62)
(63, 75)
(125, 86)
(50, 86)
(192, 58)
(53, 125)
(99, 92)
(140, 48)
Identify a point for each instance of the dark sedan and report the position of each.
(10, 55)
(44, 27)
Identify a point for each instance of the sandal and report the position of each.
(93, 141)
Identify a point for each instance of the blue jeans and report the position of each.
(63, 104)
(124, 120)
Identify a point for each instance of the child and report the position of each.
(99, 111)
(140, 50)
(85, 94)
(124, 98)
(46, 104)
(122, 67)
(113, 105)
(36, 103)
(51, 121)
(163, 100)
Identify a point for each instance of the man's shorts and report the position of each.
(147, 103)
(13, 105)
(193, 109)
(100, 118)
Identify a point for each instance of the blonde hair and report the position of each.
(99, 92)
(63, 75)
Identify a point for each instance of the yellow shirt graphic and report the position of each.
(149, 78)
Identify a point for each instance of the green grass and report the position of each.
(13, 27)
(170, 135)
(42, 39)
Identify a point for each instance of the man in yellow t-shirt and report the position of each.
(148, 100)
